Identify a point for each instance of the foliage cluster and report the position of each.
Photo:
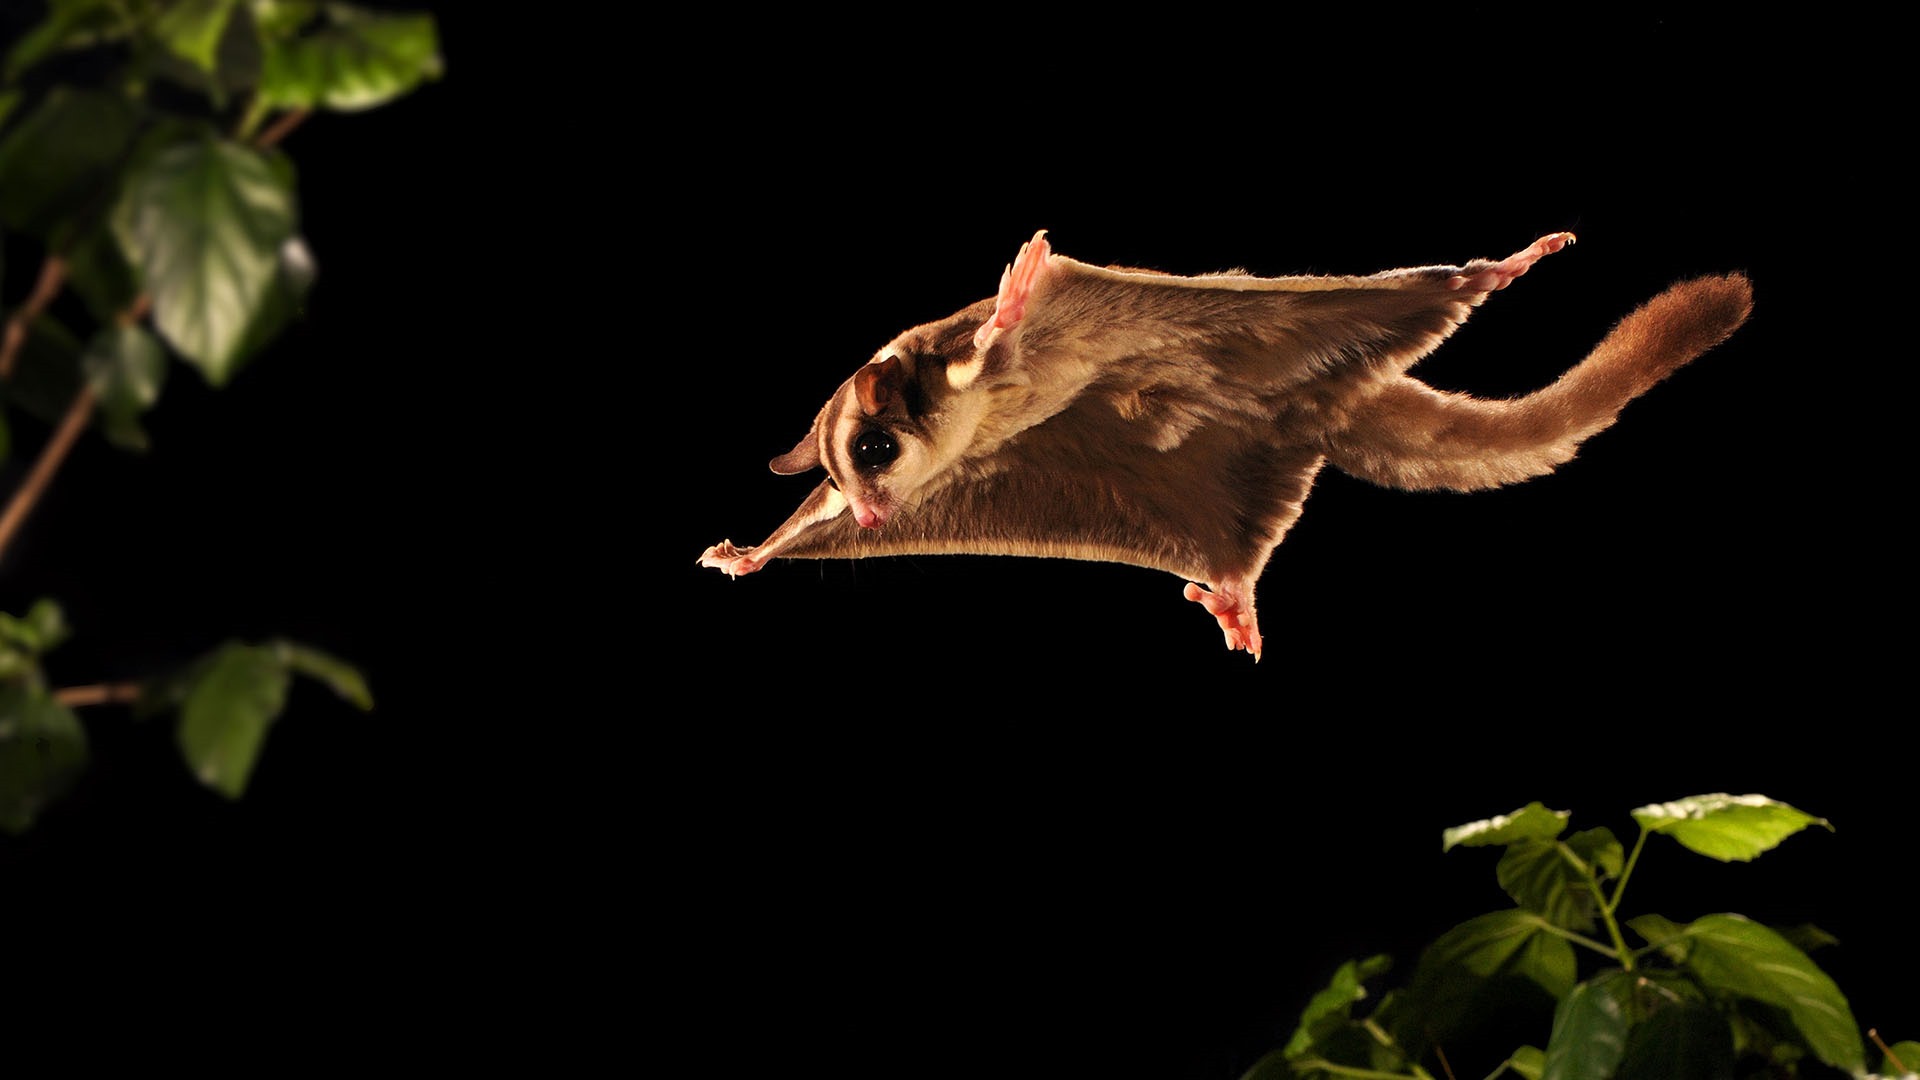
(139, 155)
(1718, 997)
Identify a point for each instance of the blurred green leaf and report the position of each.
(98, 272)
(293, 275)
(1589, 1032)
(1529, 1061)
(359, 59)
(1689, 1041)
(9, 101)
(1333, 1005)
(126, 368)
(1531, 822)
(62, 158)
(70, 24)
(1726, 827)
(1659, 930)
(1736, 955)
(15, 663)
(46, 373)
(205, 221)
(339, 676)
(226, 714)
(191, 30)
(39, 630)
(42, 749)
(282, 18)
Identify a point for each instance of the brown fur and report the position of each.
(1178, 423)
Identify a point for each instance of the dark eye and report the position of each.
(873, 448)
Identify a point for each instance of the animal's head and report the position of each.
(900, 422)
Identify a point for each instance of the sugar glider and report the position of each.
(1129, 416)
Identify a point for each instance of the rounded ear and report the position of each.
(804, 455)
(879, 384)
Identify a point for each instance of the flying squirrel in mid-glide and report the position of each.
(1177, 423)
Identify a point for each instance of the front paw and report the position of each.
(1231, 605)
(730, 560)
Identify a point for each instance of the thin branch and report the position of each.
(51, 455)
(280, 128)
(80, 697)
(1445, 1065)
(1874, 1034)
(53, 274)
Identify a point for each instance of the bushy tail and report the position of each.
(1419, 438)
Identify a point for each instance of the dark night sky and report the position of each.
(972, 816)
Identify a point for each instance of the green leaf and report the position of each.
(1481, 959)
(1529, 1061)
(1681, 1042)
(205, 221)
(341, 677)
(224, 719)
(98, 272)
(46, 372)
(9, 101)
(1735, 955)
(1599, 849)
(282, 18)
(126, 367)
(42, 749)
(1549, 961)
(62, 158)
(70, 24)
(39, 630)
(360, 59)
(17, 663)
(1333, 1006)
(286, 296)
(1589, 1032)
(191, 30)
(1901, 1059)
(1531, 822)
(1659, 930)
(1726, 827)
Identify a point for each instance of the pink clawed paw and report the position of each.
(1501, 274)
(1233, 610)
(729, 560)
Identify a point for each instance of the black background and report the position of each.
(951, 816)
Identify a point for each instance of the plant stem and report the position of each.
(1380, 1036)
(1632, 861)
(1445, 1065)
(1600, 947)
(1305, 1064)
(1874, 1034)
(51, 455)
(80, 697)
(1609, 907)
(280, 128)
(53, 274)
